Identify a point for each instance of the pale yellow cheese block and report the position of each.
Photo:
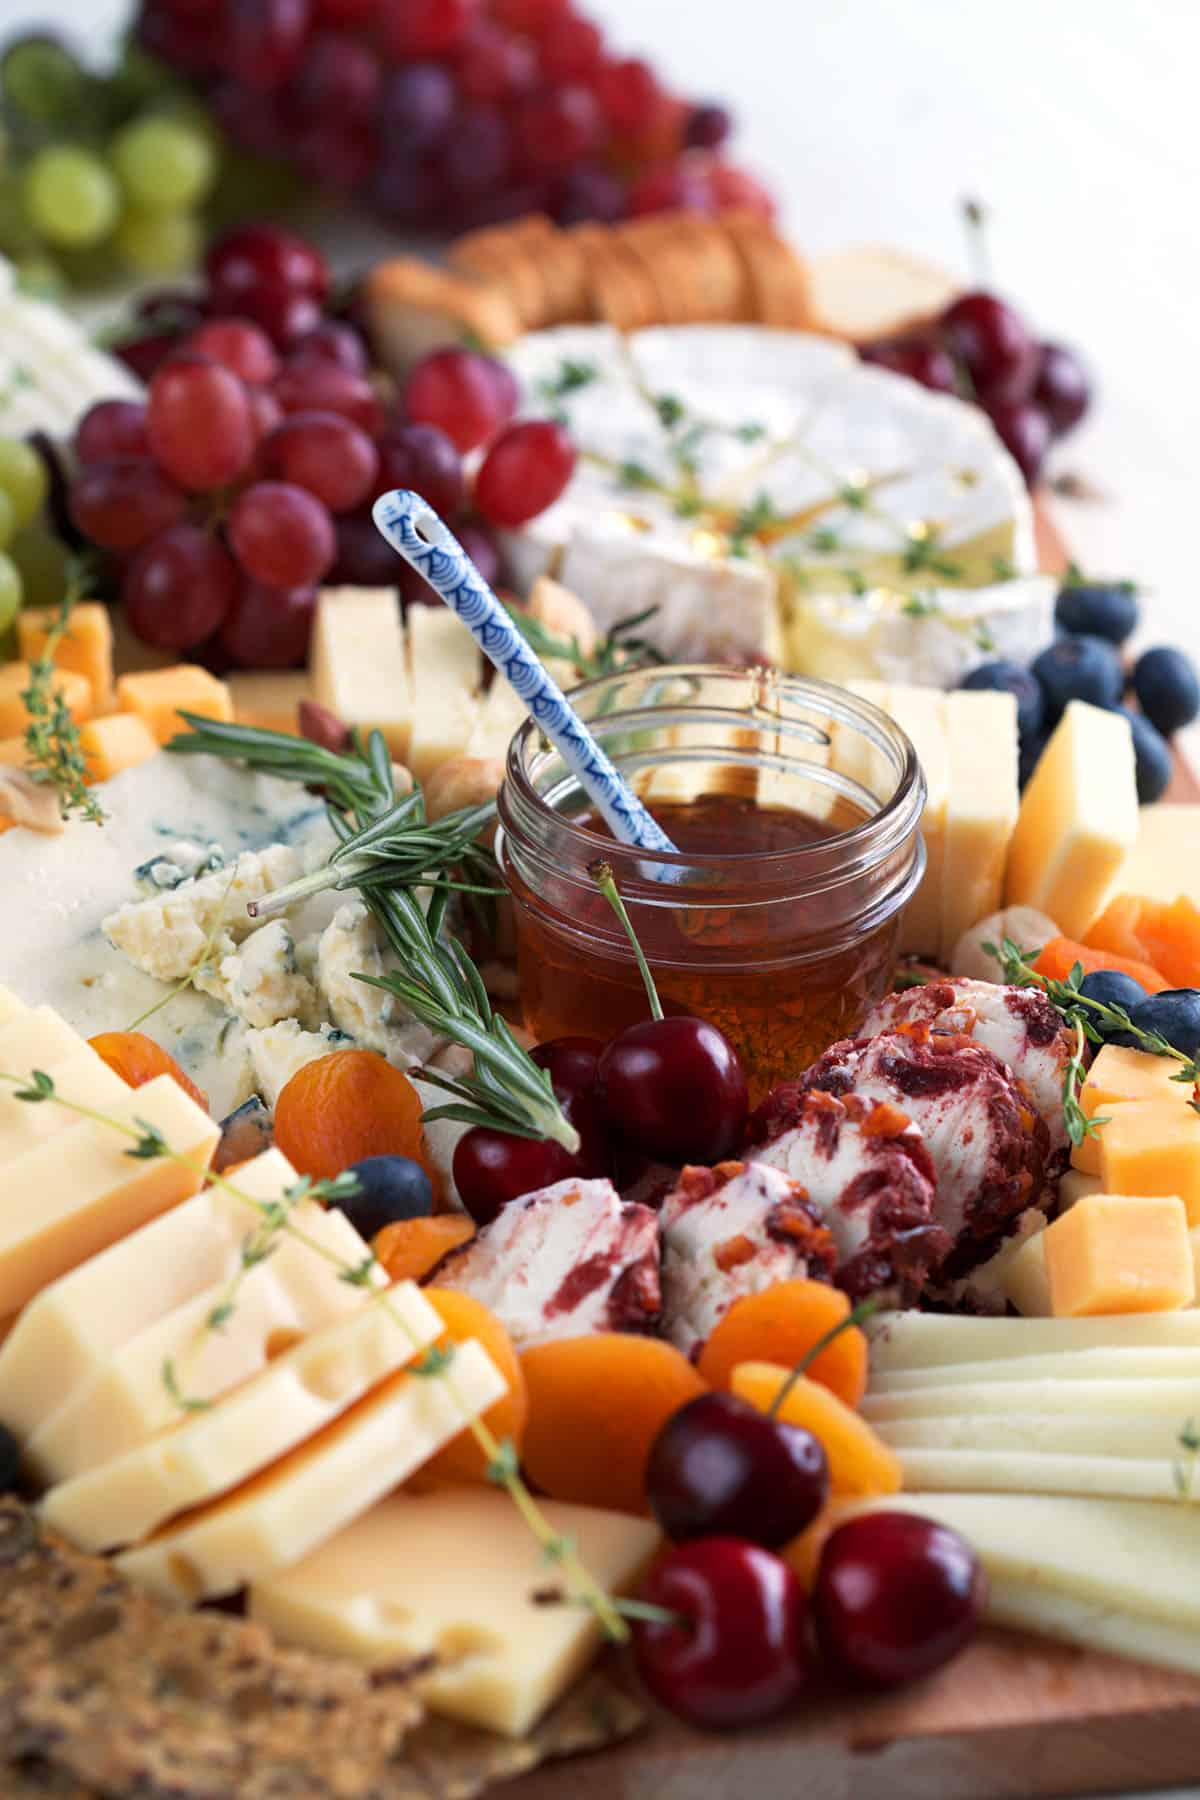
(358, 665)
(1165, 860)
(912, 1340)
(11, 1006)
(1074, 1185)
(269, 698)
(981, 809)
(1147, 1363)
(297, 1289)
(445, 671)
(450, 1574)
(1078, 820)
(1124, 1396)
(78, 1192)
(921, 713)
(1026, 1283)
(78, 1074)
(281, 1515)
(501, 713)
(209, 1452)
(1008, 1470)
(1119, 1436)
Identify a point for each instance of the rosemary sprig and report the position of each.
(53, 752)
(275, 1217)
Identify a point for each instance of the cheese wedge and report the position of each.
(1078, 820)
(158, 696)
(209, 1452)
(1119, 1254)
(358, 666)
(1010, 1471)
(41, 1040)
(981, 808)
(89, 1192)
(1153, 1147)
(1013, 1602)
(281, 1515)
(912, 1340)
(445, 670)
(921, 713)
(450, 1575)
(1119, 1074)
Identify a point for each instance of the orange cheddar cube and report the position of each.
(13, 752)
(158, 696)
(1117, 1075)
(117, 742)
(85, 647)
(1153, 1147)
(1120, 1253)
(269, 700)
(75, 689)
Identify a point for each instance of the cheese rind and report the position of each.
(279, 1516)
(1001, 1471)
(298, 1393)
(358, 666)
(451, 1573)
(1119, 1074)
(1119, 1254)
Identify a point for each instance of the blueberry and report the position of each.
(393, 1187)
(1031, 754)
(1175, 1015)
(1167, 688)
(1103, 609)
(1112, 988)
(10, 1460)
(1007, 677)
(1078, 668)
(1151, 755)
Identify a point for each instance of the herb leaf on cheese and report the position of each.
(53, 751)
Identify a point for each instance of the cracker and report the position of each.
(511, 255)
(720, 284)
(415, 307)
(622, 292)
(668, 264)
(777, 278)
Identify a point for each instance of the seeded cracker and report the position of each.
(509, 254)
(777, 277)
(622, 292)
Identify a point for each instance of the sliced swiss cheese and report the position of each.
(358, 666)
(912, 1340)
(281, 1515)
(1100, 1364)
(921, 713)
(929, 1470)
(451, 1574)
(1143, 1432)
(445, 671)
(1128, 1396)
(79, 1076)
(209, 1452)
(981, 810)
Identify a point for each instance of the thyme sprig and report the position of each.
(621, 648)
(275, 1218)
(53, 753)
(1094, 1022)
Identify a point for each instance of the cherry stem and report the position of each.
(604, 879)
(857, 1316)
(978, 260)
(626, 1605)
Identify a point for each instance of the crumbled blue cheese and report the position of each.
(170, 935)
(278, 1051)
(179, 862)
(262, 981)
(350, 946)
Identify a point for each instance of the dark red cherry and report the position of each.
(919, 359)
(675, 1088)
(991, 340)
(719, 1467)
(1025, 432)
(493, 1167)
(739, 1651)
(1063, 388)
(570, 1062)
(896, 1596)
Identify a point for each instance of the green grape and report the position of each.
(23, 479)
(8, 520)
(71, 196)
(159, 243)
(41, 80)
(164, 164)
(10, 591)
(17, 236)
(40, 560)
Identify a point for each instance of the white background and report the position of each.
(1073, 121)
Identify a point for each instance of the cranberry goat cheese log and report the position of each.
(729, 1231)
(562, 1261)
(1018, 1025)
(987, 1142)
(864, 1166)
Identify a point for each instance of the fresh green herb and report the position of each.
(358, 783)
(1075, 577)
(433, 1361)
(686, 450)
(751, 432)
(688, 506)
(1003, 569)
(635, 475)
(670, 409)
(1185, 1472)
(856, 495)
(53, 751)
(824, 540)
(750, 522)
(920, 606)
(984, 640)
(149, 1143)
(601, 873)
(622, 648)
(921, 552)
(571, 376)
(175, 1394)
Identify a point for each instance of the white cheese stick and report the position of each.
(912, 1340)
(1000, 1471)
(1095, 1627)
(1045, 1434)
(1076, 1399)
(1081, 1366)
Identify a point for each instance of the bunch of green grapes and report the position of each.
(99, 173)
(32, 559)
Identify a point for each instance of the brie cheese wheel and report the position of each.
(779, 500)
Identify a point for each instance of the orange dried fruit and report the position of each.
(596, 1405)
(859, 1461)
(1060, 955)
(780, 1324)
(1163, 933)
(462, 1459)
(137, 1059)
(410, 1248)
(342, 1107)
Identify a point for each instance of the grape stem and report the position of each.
(604, 879)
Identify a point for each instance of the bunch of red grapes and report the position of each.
(981, 348)
(246, 478)
(444, 114)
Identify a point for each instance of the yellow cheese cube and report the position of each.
(1074, 1185)
(1165, 861)
(1026, 1280)
(1118, 1074)
(981, 809)
(120, 741)
(358, 666)
(1078, 820)
(158, 696)
(75, 689)
(270, 700)
(446, 670)
(1118, 1254)
(1194, 1240)
(86, 646)
(1153, 1147)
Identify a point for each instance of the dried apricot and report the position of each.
(410, 1248)
(1060, 955)
(342, 1107)
(780, 1324)
(465, 1317)
(859, 1461)
(137, 1059)
(1163, 933)
(596, 1405)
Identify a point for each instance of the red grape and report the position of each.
(364, 557)
(416, 108)
(324, 387)
(345, 12)
(529, 17)
(331, 342)
(261, 40)
(406, 190)
(111, 428)
(491, 65)
(478, 152)
(670, 187)
(422, 458)
(119, 504)
(258, 256)
(465, 394)
(338, 81)
(325, 454)
(558, 126)
(733, 190)
(571, 46)
(708, 126)
(269, 628)
(145, 355)
(425, 27)
(281, 534)
(183, 42)
(173, 309)
(590, 191)
(265, 411)
(179, 588)
(238, 345)
(199, 422)
(482, 552)
(628, 93)
(524, 472)
(252, 121)
(284, 314)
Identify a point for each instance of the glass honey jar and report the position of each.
(795, 807)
